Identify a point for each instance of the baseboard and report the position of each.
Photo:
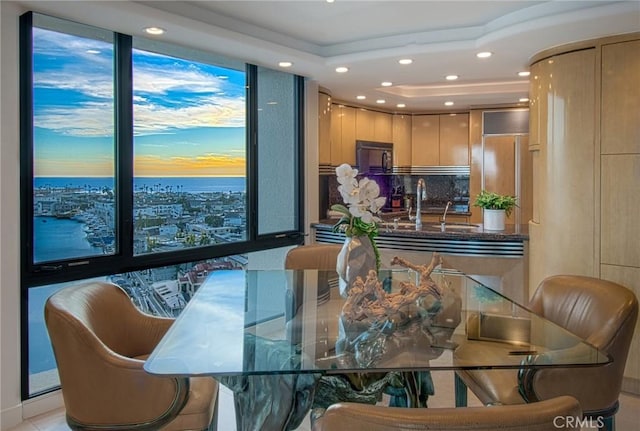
(631, 385)
(10, 417)
(42, 404)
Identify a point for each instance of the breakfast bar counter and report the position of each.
(453, 238)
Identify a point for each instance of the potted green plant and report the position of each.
(496, 208)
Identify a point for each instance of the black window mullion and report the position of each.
(124, 145)
(252, 174)
(26, 186)
(300, 171)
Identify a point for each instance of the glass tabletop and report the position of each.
(255, 322)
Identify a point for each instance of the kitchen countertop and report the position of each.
(452, 231)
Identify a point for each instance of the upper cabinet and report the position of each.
(454, 140)
(418, 140)
(324, 129)
(343, 135)
(425, 140)
(620, 92)
(373, 126)
(401, 138)
(440, 140)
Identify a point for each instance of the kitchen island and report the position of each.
(498, 259)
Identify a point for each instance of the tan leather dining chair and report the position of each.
(313, 256)
(100, 341)
(558, 413)
(601, 312)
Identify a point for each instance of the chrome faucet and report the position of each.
(444, 215)
(421, 194)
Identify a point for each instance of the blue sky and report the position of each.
(189, 118)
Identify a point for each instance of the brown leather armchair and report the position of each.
(100, 341)
(558, 413)
(599, 311)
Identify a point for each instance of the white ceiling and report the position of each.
(369, 37)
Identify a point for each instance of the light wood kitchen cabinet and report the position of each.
(562, 240)
(425, 140)
(373, 126)
(401, 138)
(365, 125)
(382, 127)
(454, 140)
(324, 128)
(587, 167)
(620, 92)
(440, 140)
(343, 134)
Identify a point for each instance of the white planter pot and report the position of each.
(356, 258)
(494, 219)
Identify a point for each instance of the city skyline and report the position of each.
(189, 117)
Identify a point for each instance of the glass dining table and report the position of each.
(286, 341)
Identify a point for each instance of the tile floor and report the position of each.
(627, 419)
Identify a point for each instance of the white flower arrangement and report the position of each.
(363, 203)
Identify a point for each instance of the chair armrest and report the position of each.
(539, 383)
(109, 378)
(147, 331)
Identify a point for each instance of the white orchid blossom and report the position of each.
(362, 200)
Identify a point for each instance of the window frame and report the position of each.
(124, 260)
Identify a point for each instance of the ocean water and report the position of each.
(57, 239)
(175, 184)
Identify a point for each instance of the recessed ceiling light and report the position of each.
(524, 73)
(484, 54)
(342, 69)
(451, 77)
(401, 105)
(381, 101)
(285, 64)
(361, 97)
(330, 1)
(154, 30)
(92, 51)
(386, 84)
(448, 103)
(405, 61)
(523, 99)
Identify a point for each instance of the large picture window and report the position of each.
(143, 161)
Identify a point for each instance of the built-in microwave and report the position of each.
(374, 157)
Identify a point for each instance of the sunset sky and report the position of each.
(189, 118)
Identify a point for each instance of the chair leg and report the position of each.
(460, 391)
(609, 423)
